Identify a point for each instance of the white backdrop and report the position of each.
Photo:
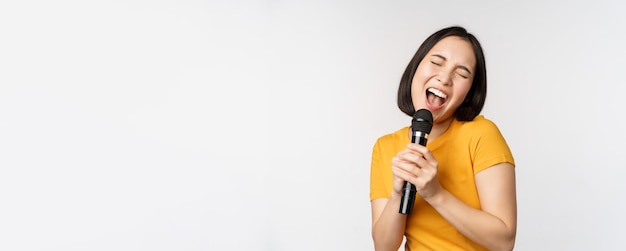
(248, 125)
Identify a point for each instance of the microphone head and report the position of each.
(422, 121)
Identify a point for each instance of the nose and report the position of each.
(444, 78)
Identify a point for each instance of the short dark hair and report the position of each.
(475, 99)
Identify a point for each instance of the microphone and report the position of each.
(421, 125)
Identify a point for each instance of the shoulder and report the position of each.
(388, 146)
(479, 124)
(478, 130)
(396, 136)
(393, 142)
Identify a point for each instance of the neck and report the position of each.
(439, 128)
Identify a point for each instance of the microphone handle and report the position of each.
(408, 198)
(408, 190)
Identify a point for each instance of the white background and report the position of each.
(248, 125)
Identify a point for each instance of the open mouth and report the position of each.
(435, 97)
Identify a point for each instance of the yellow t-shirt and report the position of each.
(465, 149)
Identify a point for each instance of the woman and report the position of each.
(465, 176)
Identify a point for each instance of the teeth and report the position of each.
(437, 93)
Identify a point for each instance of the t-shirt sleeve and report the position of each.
(377, 181)
(489, 147)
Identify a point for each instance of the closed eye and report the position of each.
(437, 57)
(435, 63)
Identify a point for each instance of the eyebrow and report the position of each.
(460, 66)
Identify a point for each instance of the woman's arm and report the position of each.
(494, 226)
(387, 224)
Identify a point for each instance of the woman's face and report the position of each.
(444, 77)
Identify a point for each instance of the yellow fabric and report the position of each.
(465, 149)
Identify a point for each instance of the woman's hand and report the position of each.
(417, 165)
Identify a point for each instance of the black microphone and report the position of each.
(421, 125)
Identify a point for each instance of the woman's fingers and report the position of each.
(405, 166)
(409, 155)
(421, 156)
(417, 165)
(407, 171)
(421, 150)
